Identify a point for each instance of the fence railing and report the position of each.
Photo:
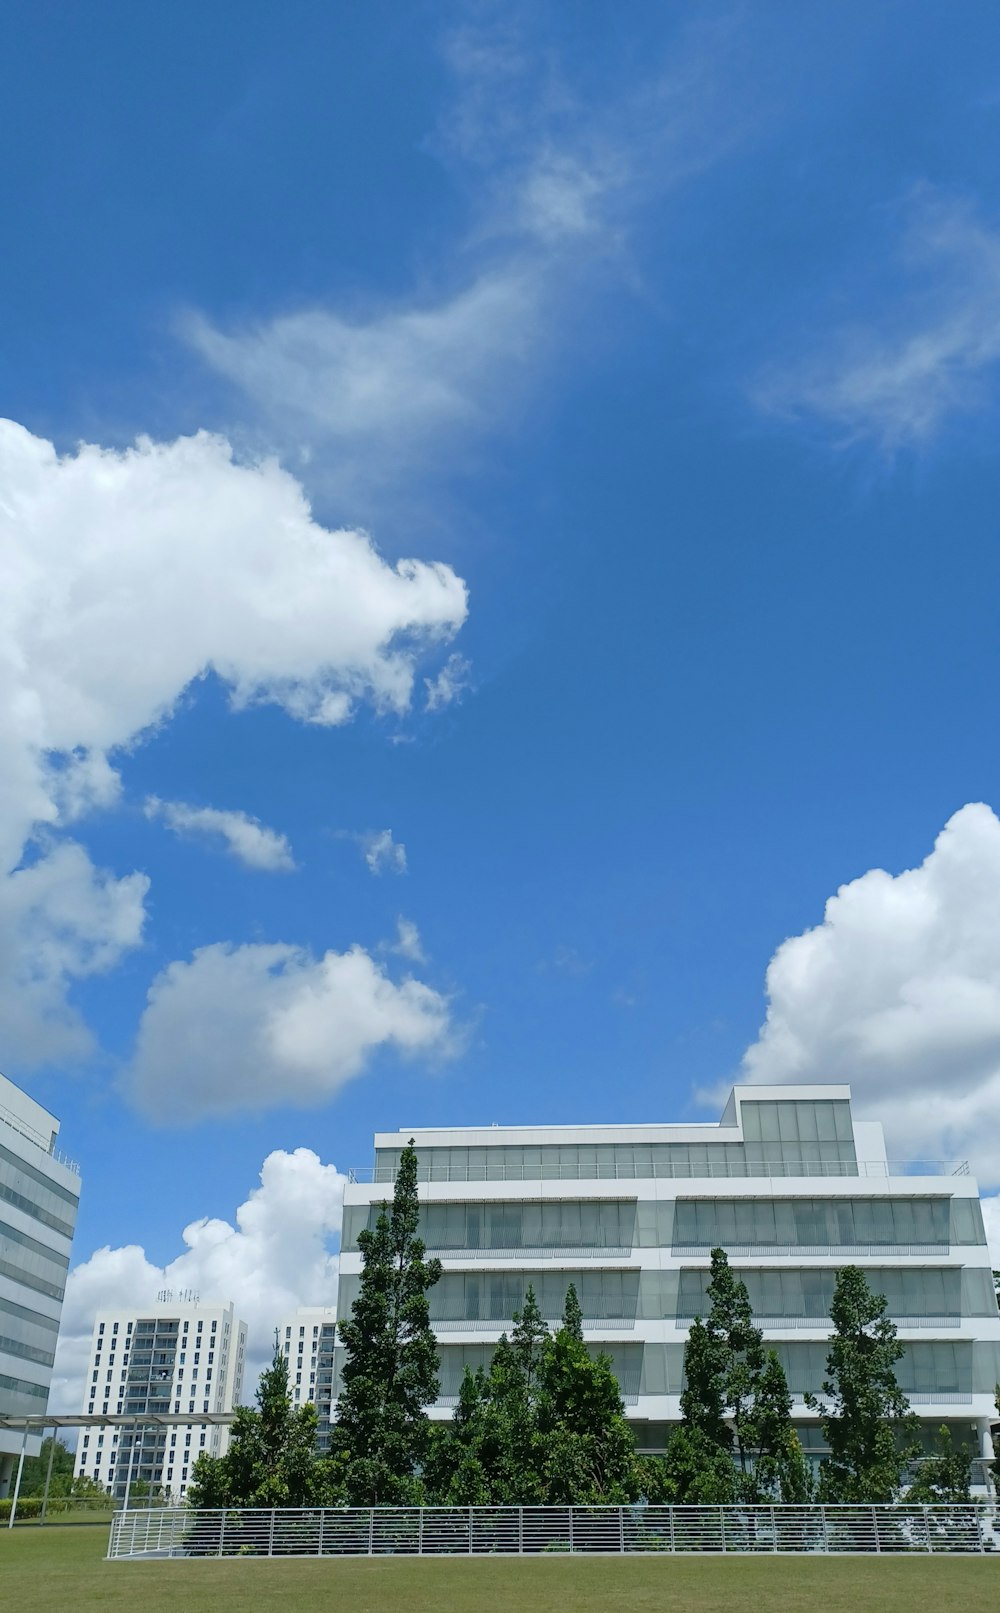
(524, 1531)
(679, 1170)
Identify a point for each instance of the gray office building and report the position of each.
(789, 1182)
(39, 1198)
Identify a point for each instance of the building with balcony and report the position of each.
(177, 1356)
(307, 1339)
(39, 1198)
(788, 1182)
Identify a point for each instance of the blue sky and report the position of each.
(665, 341)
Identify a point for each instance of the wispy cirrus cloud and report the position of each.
(382, 394)
(932, 354)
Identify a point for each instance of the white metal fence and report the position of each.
(523, 1531)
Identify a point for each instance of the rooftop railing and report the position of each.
(28, 1133)
(667, 1170)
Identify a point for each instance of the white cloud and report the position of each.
(254, 1027)
(898, 993)
(407, 943)
(554, 177)
(382, 853)
(61, 920)
(400, 376)
(935, 353)
(449, 684)
(275, 1258)
(247, 838)
(127, 576)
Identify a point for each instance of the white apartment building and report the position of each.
(307, 1338)
(39, 1198)
(788, 1182)
(179, 1355)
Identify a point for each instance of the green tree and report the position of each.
(381, 1437)
(703, 1398)
(695, 1471)
(572, 1319)
(735, 1403)
(780, 1468)
(271, 1460)
(36, 1467)
(588, 1450)
(945, 1478)
(866, 1417)
(544, 1425)
(740, 1347)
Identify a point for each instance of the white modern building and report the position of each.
(39, 1198)
(307, 1338)
(788, 1182)
(179, 1355)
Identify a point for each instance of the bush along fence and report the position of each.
(524, 1531)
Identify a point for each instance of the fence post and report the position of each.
(371, 1531)
(774, 1530)
(571, 1512)
(722, 1526)
(17, 1481)
(673, 1546)
(470, 1531)
(270, 1536)
(222, 1531)
(48, 1477)
(420, 1533)
(520, 1531)
(621, 1529)
(878, 1543)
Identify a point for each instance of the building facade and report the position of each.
(39, 1198)
(307, 1338)
(174, 1357)
(788, 1182)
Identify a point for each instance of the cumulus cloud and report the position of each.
(276, 1257)
(247, 838)
(898, 993)
(258, 1026)
(934, 354)
(61, 920)
(128, 576)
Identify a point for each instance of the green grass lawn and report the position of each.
(64, 1568)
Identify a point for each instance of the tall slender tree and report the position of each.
(271, 1460)
(381, 1435)
(780, 1467)
(740, 1347)
(572, 1319)
(587, 1448)
(866, 1417)
(735, 1404)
